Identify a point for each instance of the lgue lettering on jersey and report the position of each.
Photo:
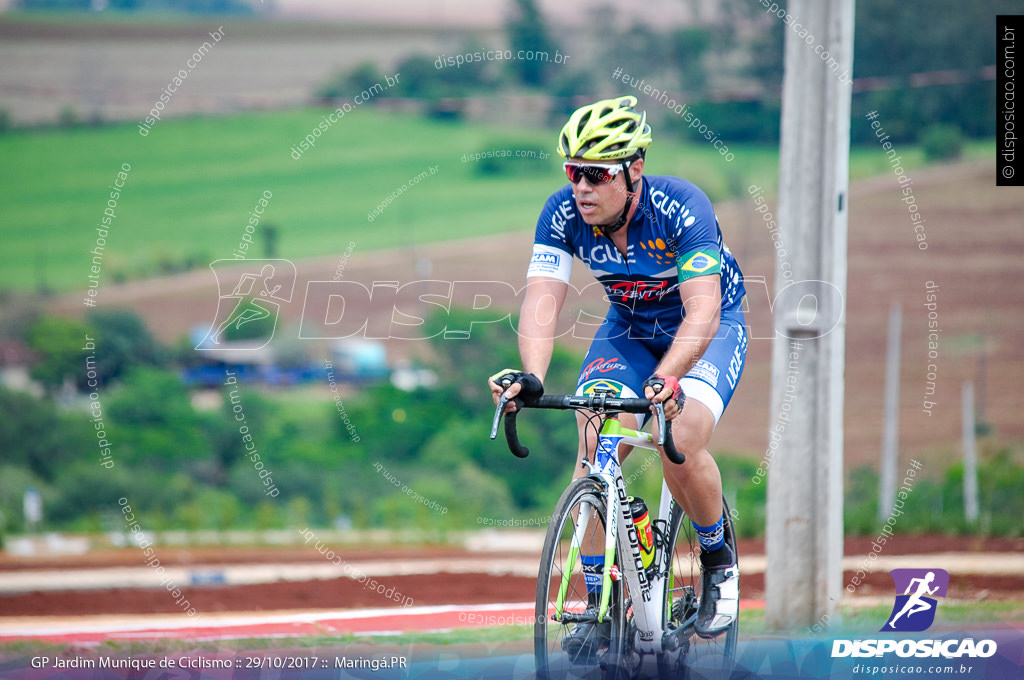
(736, 364)
(604, 252)
(660, 200)
(561, 216)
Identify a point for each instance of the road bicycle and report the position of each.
(650, 610)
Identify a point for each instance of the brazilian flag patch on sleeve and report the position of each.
(698, 263)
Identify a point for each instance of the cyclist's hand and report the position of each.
(665, 389)
(513, 383)
(497, 390)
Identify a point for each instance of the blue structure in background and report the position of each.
(352, 361)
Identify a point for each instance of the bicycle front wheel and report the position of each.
(681, 600)
(568, 641)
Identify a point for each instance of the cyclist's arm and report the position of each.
(547, 281)
(702, 301)
(537, 319)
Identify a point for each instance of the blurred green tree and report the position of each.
(61, 345)
(35, 435)
(688, 49)
(154, 424)
(122, 343)
(528, 32)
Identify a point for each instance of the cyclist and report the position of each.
(674, 322)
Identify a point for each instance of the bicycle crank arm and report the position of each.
(674, 639)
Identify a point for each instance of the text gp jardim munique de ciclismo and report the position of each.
(132, 663)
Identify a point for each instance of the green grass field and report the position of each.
(194, 181)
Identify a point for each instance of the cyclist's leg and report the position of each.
(611, 363)
(614, 361)
(696, 485)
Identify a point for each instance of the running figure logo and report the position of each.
(914, 610)
(256, 294)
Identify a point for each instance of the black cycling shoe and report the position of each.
(587, 638)
(719, 599)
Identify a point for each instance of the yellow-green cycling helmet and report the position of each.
(607, 130)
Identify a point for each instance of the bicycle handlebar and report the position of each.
(600, 403)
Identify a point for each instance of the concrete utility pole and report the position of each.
(804, 532)
(891, 417)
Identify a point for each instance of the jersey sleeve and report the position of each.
(695, 236)
(552, 245)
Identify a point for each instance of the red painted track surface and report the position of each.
(337, 604)
(264, 625)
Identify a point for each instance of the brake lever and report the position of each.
(497, 415)
(665, 436)
(505, 384)
(659, 413)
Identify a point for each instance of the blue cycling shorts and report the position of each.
(617, 361)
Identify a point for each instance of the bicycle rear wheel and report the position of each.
(562, 603)
(681, 598)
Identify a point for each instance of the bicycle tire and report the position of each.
(551, 661)
(714, 655)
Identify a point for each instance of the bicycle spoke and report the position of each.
(568, 641)
(694, 652)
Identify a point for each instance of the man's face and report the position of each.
(603, 203)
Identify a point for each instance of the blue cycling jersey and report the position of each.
(673, 235)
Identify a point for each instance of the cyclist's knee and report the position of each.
(690, 444)
(692, 429)
(695, 467)
(687, 444)
(698, 459)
